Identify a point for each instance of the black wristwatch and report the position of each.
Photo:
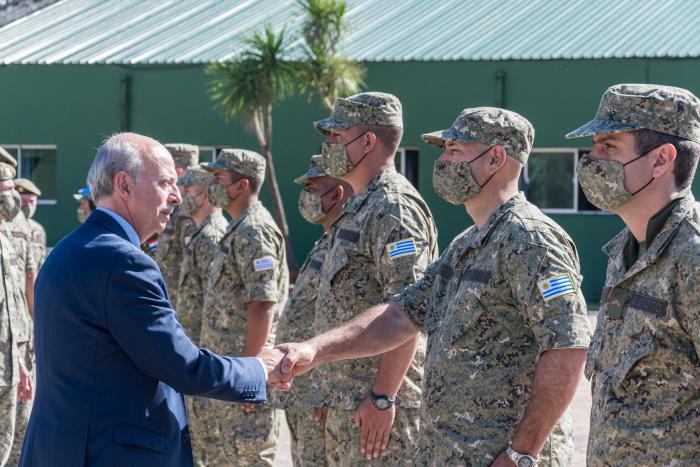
(382, 402)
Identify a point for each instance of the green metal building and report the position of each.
(78, 70)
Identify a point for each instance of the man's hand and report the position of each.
(299, 357)
(376, 427)
(320, 414)
(272, 358)
(24, 390)
(503, 461)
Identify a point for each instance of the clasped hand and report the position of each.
(286, 361)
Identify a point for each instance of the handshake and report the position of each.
(285, 361)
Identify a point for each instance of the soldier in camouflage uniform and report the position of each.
(201, 247)
(171, 242)
(383, 240)
(644, 360)
(502, 308)
(319, 203)
(87, 205)
(30, 194)
(15, 323)
(246, 290)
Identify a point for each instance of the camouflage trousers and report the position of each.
(8, 412)
(307, 437)
(343, 440)
(223, 435)
(24, 410)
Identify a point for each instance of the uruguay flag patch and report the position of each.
(556, 286)
(401, 248)
(263, 264)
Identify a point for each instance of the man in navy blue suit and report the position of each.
(112, 359)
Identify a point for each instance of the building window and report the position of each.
(38, 164)
(209, 153)
(407, 164)
(549, 181)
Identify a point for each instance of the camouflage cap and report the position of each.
(185, 155)
(7, 172)
(490, 126)
(245, 162)
(196, 176)
(26, 186)
(315, 170)
(7, 158)
(83, 193)
(367, 108)
(628, 107)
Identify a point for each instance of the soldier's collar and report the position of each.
(481, 235)
(357, 200)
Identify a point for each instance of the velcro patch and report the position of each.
(556, 286)
(405, 247)
(264, 264)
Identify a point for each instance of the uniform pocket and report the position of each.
(642, 348)
(131, 435)
(466, 311)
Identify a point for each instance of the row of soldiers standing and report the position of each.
(505, 293)
(22, 251)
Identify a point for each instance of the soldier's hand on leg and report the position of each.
(247, 408)
(376, 427)
(24, 390)
(320, 414)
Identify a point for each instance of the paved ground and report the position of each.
(581, 409)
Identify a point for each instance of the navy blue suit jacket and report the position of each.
(113, 361)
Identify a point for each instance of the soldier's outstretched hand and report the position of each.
(272, 359)
(300, 357)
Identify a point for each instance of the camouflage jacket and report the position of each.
(13, 323)
(644, 360)
(362, 270)
(201, 247)
(171, 247)
(297, 324)
(251, 265)
(21, 258)
(37, 235)
(484, 310)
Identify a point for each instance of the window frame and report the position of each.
(401, 152)
(19, 148)
(576, 155)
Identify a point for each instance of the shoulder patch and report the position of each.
(556, 286)
(263, 264)
(405, 247)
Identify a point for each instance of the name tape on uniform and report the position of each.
(405, 247)
(556, 286)
(263, 264)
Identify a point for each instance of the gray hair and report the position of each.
(116, 154)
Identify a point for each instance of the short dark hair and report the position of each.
(390, 136)
(253, 183)
(688, 153)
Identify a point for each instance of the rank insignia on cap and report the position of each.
(401, 248)
(556, 286)
(263, 264)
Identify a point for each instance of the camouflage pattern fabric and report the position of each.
(367, 108)
(308, 438)
(37, 235)
(245, 162)
(359, 273)
(643, 361)
(489, 126)
(343, 440)
(201, 247)
(8, 409)
(628, 107)
(184, 155)
(297, 324)
(483, 306)
(171, 248)
(23, 409)
(250, 265)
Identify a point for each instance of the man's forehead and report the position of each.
(462, 144)
(612, 137)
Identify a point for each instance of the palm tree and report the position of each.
(323, 70)
(250, 85)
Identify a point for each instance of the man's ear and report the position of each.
(497, 158)
(338, 193)
(665, 159)
(370, 141)
(245, 184)
(122, 182)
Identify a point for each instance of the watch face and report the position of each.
(525, 462)
(382, 403)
